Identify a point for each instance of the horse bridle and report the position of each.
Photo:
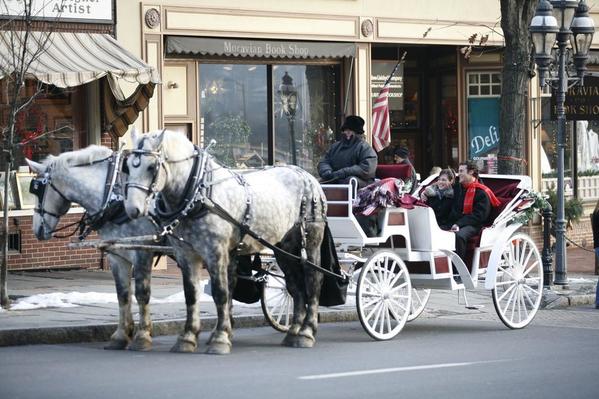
(40, 183)
(161, 161)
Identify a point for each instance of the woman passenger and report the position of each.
(439, 196)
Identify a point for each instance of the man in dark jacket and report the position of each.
(471, 206)
(349, 157)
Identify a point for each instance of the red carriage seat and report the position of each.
(505, 190)
(397, 171)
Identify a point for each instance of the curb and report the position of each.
(102, 332)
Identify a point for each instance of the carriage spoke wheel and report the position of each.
(277, 304)
(420, 298)
(383, 297)
(519, 282)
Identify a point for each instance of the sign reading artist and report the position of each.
(582, 102)
(380, 74)
(96, 11)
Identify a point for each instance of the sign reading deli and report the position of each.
(582, 102)
(93, 11)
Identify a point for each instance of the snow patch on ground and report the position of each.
(74, 299)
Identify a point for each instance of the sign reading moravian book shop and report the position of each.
(582, 102)
(94, 11)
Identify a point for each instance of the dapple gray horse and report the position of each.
(80, 176)
(277, 203)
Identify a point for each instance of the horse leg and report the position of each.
(121, 272)
(142, 340)
(220, 342)
(295, 286)
(187, 342)
(313, 284)
(232, 278)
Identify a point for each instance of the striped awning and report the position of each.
(67, 59)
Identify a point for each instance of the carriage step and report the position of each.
(466, 304)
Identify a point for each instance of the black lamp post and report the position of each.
(288, 95)
(562, 22)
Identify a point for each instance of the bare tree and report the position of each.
(518, 67)
(21, 49)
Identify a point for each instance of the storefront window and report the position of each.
(305, 107)
(484, 101)
(234, 112)
(49, 126)
(55, 122)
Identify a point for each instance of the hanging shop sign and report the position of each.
(582, 102)
(87, 11)
(483, 125)
(380, 74)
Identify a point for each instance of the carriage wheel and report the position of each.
(519, 282)
(420, 298)
(383, 296)
(277, 304)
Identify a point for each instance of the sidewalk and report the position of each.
(81, 305)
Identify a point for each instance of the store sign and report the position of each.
(483, 125)
(94, 11)
(380, 74)
(582, 102)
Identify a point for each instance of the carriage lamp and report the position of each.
(567, 24)
(288, 95)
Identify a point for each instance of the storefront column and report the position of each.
(362, 85)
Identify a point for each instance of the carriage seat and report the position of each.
(397, 171)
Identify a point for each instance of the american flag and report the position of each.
(381, 131)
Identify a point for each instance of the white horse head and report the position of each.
(154, 165)
(61, 180)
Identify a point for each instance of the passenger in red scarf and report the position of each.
(471, 206)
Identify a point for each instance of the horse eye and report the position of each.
(151, 168)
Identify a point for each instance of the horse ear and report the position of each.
(36, 167)
(134, 135)
(160, 137)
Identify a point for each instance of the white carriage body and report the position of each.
(415, 236)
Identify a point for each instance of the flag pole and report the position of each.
(403, 57)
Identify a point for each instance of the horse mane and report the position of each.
(86, 155)
(173, 142)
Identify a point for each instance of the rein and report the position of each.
(197, 181)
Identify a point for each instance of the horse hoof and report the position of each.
(117, 344)
(304, 341)
(298, 341)
(141, 343)
(218, 348)
(184, 346)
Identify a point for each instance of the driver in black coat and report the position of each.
(349, 157)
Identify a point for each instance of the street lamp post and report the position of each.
(568, 23)
(288, 94)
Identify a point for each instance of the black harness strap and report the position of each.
(218, 210)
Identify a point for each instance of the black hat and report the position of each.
(353, 123)
(402, 152)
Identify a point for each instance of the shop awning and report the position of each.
(67, 59)
(184, 45)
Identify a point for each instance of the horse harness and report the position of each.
(111, 210)
(197, 202)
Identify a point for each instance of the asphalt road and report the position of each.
(464, 355)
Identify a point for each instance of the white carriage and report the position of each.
(411, 255)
